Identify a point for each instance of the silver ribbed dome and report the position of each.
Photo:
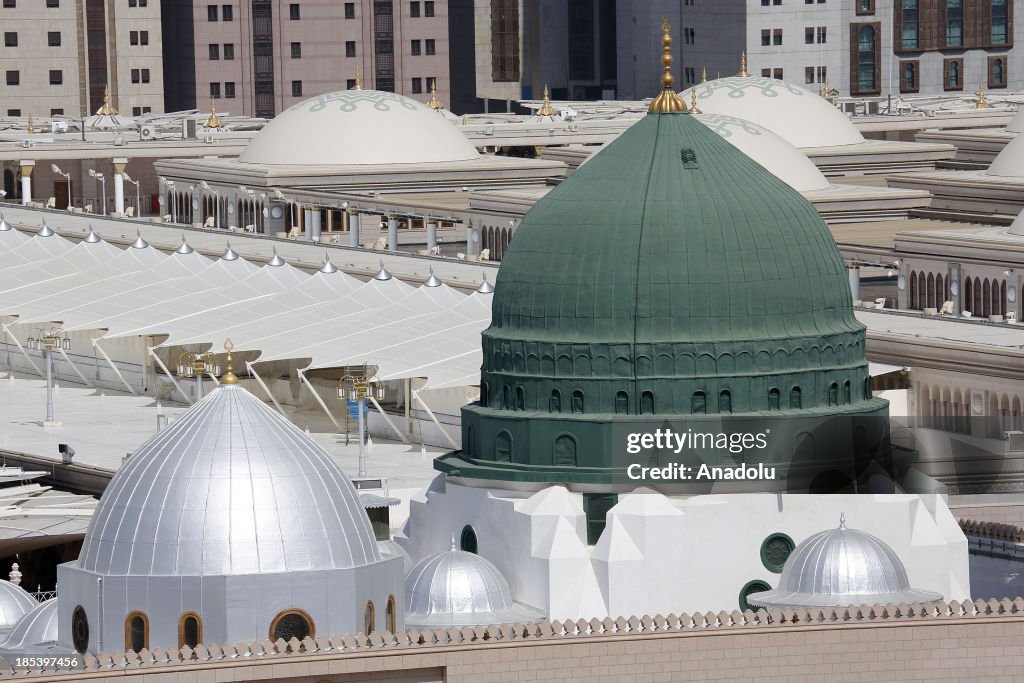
(230, 487)
(842, 567)
(15, 602)
(457, 588)
(37, 627)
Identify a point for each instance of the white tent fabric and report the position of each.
(34, 250)
(51, 272)
(9, 237)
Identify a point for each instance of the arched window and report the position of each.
(997, 72)
(773, 399)
(699, 403)
(506, 398)
(483, 394)
(577, 401)
(80, 629)
(724, 401)
(389, 614)
(292, 623)
(1002, 298)
(846, 392)
(968, 304)
(954, 23)
(503, 447)
(866, 80)
(833, 394)
(467, 540)
(369, 618)
(564, 452)
(913, 291)
(555, 402)
(930, 292)
(136, 632)
(910, 76)
(940, 291)
(621, 403)
(954, 74)
(647, 403)
(520, 398)
(795, 398)
(986, 308)
(867, 389)
(190, 630)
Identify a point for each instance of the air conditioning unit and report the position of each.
(188, 129)
(872, 107)
(58, 126)
(147, 132)
(849, 107)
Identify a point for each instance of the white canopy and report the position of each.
(45, 245)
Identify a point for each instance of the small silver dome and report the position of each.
(485, 287)
(139, 243)
(37, 627)
(4, 225)
(457, 588)
(229, 254)
(842, 567)
(276, 260)
(383, 273)
(93, 237)
(231, 487)
(327, 266)
(433, 280)
(15, 602)
(184, 248)
(45, 231)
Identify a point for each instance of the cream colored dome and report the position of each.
(785, 161)
(1016, 124)
(1009, 162)
(357, 127)
(799, 116)
(1017, 227)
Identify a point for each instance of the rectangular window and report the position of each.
(350, 48)
(865, 6)
(229, 51)
(144, 37)
(808, 74)
(908, 76)
(431, 46)
(133, 38)
(53, 38)
(417, 86)
(777, 37)
(777, 73)
(13, 77)
(143, 3)
(296, 50)
(954, 23)
(14, 112)
(822, 34)
(52, 3)
(428, 8)
(10, 39)
(145, 75)
(296, 88)
(909, 35)
(57, 112)
(227, 13)
(595, 509)
(822, 74)
(999, 22)
(293, 11)
(229, 90)
(997, 71)
(147, 110)
(414, 9)
(135, 75)
(766, 73)
(214, 52)
(505, 40)
(136, 111)
(10, 4)
(766, 37)
(56, 77)
(953, 74)
(350, 10)
(350, 83)
(215, 90)
(415, 48)
(211, 13)
(809, 35)
(133, 3)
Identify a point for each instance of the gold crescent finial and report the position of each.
(214, 120)
(359, 80)
(982, 103)
(667, 101)
(229, 376)
(433, 102)
(693, 101)
(743, 65)
(704, 75)
(546, 109)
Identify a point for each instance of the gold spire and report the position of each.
(433, 102)
(214, 120)
(743, 65)
(982, 103)
(229, 376)
(107, 109)
(667, 100)
(31, 128)
(359, 80)
(693, 102)
(704, 75)
(546, 109)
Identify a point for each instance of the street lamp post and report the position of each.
(138, 194)
(56, 169)
(103, 183)
(355, 388)
(192, 364)
(47, 342)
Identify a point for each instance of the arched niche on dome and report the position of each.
(547, 364)
(663, 365)
(644, 366)
(705, 364)
(581, 365)
(503, 446)
(390, 614)
(555, 401)
(774, 398)
(796, 400)
(564, 366)
(685, 365)
(699, 403)
(763, 361)
(647, 405)
(292, 623)
(744, 361)
(564, 451)
(577, 401)
(726, 364)
(622, 403)
(532, 363)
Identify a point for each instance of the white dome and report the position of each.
(799, 116)
(37, 627)
(458, 588)
(842, 567)
(357, 127)
(1010, 161)
(15, 602)
(784, 160)
(230, 487)
(1017, 227)
(1016, 124)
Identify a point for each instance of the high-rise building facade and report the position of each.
(59, 56)
(259, 57)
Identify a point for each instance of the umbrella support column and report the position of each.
(24, 353)
(188, 399)
(434, 418)
(75, 368)
(391, 424)
(319, 400)
(96, 345)
(263, 384)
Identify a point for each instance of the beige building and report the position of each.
(58, 56)
(262, 57)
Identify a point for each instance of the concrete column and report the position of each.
(353, 224)
(431, 235)
(26, 181)
(119, 165)
(313, 225)
(392, 233)
(854, 273)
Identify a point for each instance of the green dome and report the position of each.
(671, 275)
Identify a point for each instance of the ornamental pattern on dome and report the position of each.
(724, 124)
(351, 99)
(739, 87)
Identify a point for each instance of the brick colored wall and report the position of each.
(1002, 514)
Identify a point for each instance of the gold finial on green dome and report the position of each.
(229, 376)
(667, 100)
